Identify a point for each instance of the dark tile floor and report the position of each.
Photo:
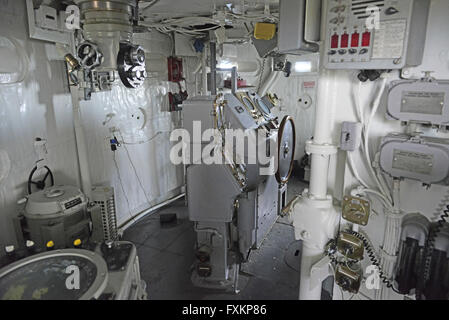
(167, 253)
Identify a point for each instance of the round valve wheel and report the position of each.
(40, 184)
(131, 65)
(89, 55)
(286, 149)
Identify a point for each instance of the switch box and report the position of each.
(351, 135)
(368, 35)
(47, 17)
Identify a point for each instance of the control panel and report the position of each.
(384, 34)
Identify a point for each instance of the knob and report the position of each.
(109, 244)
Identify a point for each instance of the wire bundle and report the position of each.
(197, 25)
(374, 259)
(185, 25)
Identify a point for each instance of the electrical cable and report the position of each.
(261, 74)
(143, 142)
(121, 185)
(374, 259)
(367, 127)
(134, 169)
(185, 25)
(365, 136)
(354, 170)
(152, 3)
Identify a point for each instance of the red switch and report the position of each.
(334, 41)
(355, 40)
(366, 39)
(344, 40)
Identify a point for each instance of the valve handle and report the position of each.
(40, 184)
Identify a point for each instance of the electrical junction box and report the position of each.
(47, 17)
(368, 35)
(264, 31)
(351, 136)
(422, 101)
(424, 159)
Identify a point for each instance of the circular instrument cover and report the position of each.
(286, 149)
(263, 107)
(44, 276)
(248, 104)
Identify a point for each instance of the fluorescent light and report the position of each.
(303, 66)
(226, 64)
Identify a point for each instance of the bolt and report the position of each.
(305, 235)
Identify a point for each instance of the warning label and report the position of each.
(415, 162)
(423, 102)
(389, 39)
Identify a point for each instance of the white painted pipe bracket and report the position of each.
(322, 149)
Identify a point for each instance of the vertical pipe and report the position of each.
(309, 256)
(204, 90)
(213, 68)
(319, 173)
(234, 84)
(323, 133)
(321, 220)
(80, 140)
(271, 80)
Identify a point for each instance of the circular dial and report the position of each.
(263, 107)
(89, 55)
(248, 104)
(131, 65)
(286, 149)
(45, 276)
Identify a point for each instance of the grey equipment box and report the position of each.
(355, 41)
(420, 158)
(422, 101)
(299, 26)
(57, 214)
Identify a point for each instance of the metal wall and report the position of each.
(40, 106)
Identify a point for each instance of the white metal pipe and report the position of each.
(323, 133)
(213, 68)
(269, 82)
(204, 72)
(325, 107)
(309, 257)
(81, 146)
(315, 218)
(319, 176)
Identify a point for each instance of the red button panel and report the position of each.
(355, 40)
(344, 40)
(334, 41)
(366, 39)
